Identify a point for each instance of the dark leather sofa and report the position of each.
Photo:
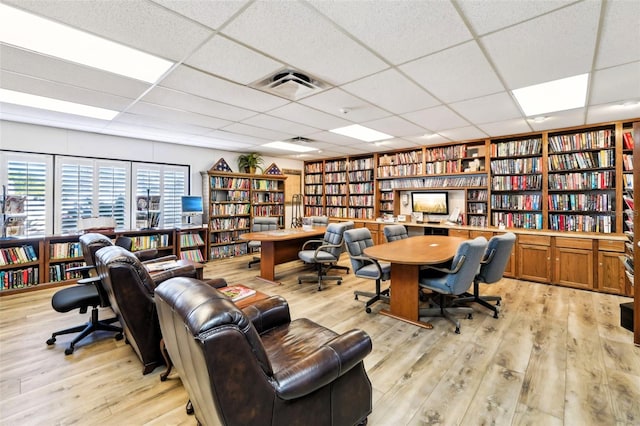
(256, 366)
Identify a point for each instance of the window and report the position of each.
(29, 176)
(161, 188)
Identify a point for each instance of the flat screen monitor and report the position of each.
(191, 205)
(430, 202)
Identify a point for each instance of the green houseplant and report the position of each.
(248, 163)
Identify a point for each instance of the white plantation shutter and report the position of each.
(174, 187)
(112, 193)
(168, 182)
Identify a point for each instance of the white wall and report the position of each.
(50, 140)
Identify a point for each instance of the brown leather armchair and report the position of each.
(256, 366)
(130, 289)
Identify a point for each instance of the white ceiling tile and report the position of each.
(309, 116)
(392, 91)
(210, 13)
(192, 103)
(335, 139)
(395, 126)
(253, 65)
(611, 112)
(192, 81)
(174, 115)
(620, 37)
(487, 109)
(463, 133)
(213, 142)
(558, 120)
(154, 122)
(553, 46)
(236, 137)
(258, 132)
(292, 32)
(488, 16)
(455, 74)
(275, 123)
(427, 139)
(436, 119)
(508, 127)
(142, 25)
(615, 84)
(396, 143)
(49, 118)
(333, 101)
(399, 30)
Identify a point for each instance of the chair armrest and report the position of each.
(370, 260)
(216, 282)
(324, 246)
(311, 242)
(268, 313)
(84, 270)
(160, 259)
(90, 280)
(446, 270)
(181, 271)
(323, 366)
(146, 254)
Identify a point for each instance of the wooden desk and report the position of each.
(280, 246)
(405, 257)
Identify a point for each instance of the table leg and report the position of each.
(404, 303)
(268, 260)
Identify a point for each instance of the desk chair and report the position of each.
(260, 224)
(395, 232)
(492, 269)
(325, 255)
(454, 281)
(319, 220)
(356, 240)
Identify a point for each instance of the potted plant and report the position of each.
(249, 162)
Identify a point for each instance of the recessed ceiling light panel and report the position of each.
(558, 95)
(362, 133)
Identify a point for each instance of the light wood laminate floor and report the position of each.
(556, 356)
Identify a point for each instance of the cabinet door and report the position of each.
(510, 269)
(574, 267)
(611, 273)
(462, 233)
(534, 262)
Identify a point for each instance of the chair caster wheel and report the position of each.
(356, 297)
(368, 310)
(51, 341)
(470, 316)
(457, 330)
(497, 303)
(339, 282)
(299, 282)
(495, 315)
(68, 351)
(119, 336)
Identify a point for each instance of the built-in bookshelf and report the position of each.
(193, 243)
(335, 188)
(20, 263)
(361, 187)
(517, 182)
(582, 181)
(455, 159)
(394, 165)
(267, 197)
(314, 188)
(477, 207)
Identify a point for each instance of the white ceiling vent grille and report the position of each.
(300, 139)
(290, 84)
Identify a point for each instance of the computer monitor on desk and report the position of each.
(191, 207)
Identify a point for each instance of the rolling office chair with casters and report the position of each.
(261, 224)
(356, 240)
(449, 283)
(395, 232)
(492, 269)
(325, 255)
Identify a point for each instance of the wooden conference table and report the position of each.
(405, 257)
(280, 246)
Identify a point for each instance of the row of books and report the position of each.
(582, 223)
(582, 181)
(20, 278)
(335, 166)
(361, 164)
(268, 197)
(400, 158)
(581, 202)
(313, 200)
(582, 160)
(389, 185)
(18, 254)
(627, 180)
(517, 201)
(266, 184)
(223, 182)
(477, 221)
(361, 176)
(58, 272)
(230, 250)
(361, 188)
(336, 211)
(627, 162)
(313, 189)
(65, 250)
(269, 210)
(229, 209)
(217, 224)
(191, 240)
(517, 166)
(452, 152)
(477, 195)
(313, 211)
(361, 212)
(226, 237)
(517, 183)
(450, 166)
(517, 220)
(194, 255)
(627, 140)
(335, 200)
(361, 200)
(386, 205)
(221, 196)
(313, 168)
(335, 177)
(313, 179)
(476, 208)
(400, 170)
(144, 242)
(580, 141)
(335, 188)
(517, 148)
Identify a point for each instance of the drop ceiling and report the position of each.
(425, 72)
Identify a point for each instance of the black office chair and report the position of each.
(260, 224)
(356, 240)
(492, 269)
(395, 232)
(454, 281)
(325, 255)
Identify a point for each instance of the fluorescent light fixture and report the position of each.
(558, 95)
(286, 146)
(33, 101)
(539, 119)
(362, 133)
(31, 32)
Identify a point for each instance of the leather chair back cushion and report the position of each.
(501, 246)
(473, 251)
(356, 240)
(90, 244)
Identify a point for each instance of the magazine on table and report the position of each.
(237, 292)
(161, 266)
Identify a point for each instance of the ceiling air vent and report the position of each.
(300, 139)
(290, 84)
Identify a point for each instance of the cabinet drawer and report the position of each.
(608, 245)
(476, 234)
(579, 243)
(372, 227)
(538, 240)
(462, 233)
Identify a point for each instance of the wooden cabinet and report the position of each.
(573, 262)
(611, 276)
(534, 258)
(376, 233)
(462, 233)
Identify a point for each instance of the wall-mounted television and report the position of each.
(191, 205)
(430, 202)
